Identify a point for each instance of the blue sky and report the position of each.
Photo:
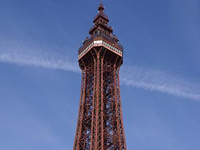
(40, 78)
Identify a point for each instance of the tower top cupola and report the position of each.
(101, 8)
(101, 22)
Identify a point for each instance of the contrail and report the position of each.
(45, 61)
(39, 56)
(155, 80)
(133, 76)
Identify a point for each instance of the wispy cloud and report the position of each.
(39, 56)
(40, 61)
(155, 80)
(133, 76)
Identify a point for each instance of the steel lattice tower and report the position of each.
(100, 123)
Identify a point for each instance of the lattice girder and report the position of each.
(100, 125)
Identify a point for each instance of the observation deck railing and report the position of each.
(107, 37)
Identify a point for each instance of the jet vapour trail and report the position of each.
(39, 56)
(155, 80)
(40, 60)
(133, 76)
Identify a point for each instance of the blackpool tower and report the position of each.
(100, 122)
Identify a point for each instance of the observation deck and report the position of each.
(100, 39)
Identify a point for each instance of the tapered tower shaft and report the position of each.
(100, 123)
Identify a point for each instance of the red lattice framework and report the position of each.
(100, 123)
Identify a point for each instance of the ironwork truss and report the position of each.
(100, 123)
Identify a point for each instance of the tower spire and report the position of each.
(101, 23)
(101, 8)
